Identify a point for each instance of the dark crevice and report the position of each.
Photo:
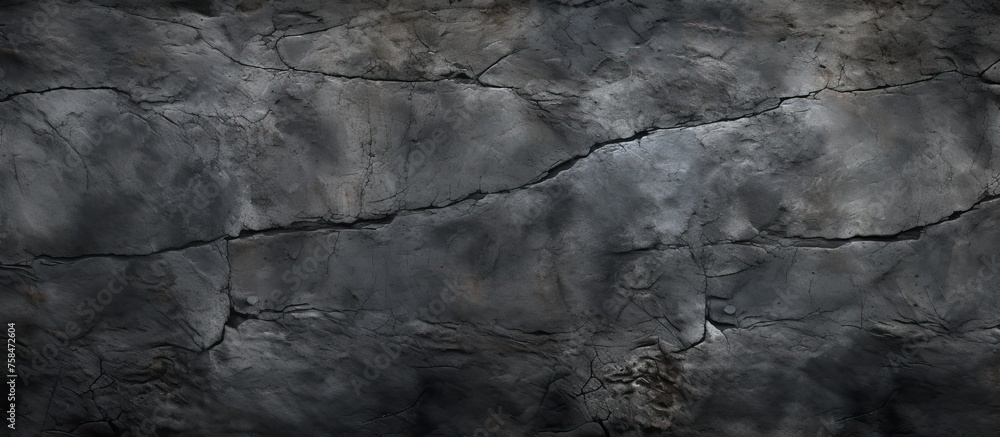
(237, 318)
(52, 260)
(604, 427)
(386, 219)
(704, 335)
(833, 243)
(67, 88)
(569, 163)
(910, 234)
(926, 78)
(295, 227)
(982, 74)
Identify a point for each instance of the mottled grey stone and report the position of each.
(497, 217)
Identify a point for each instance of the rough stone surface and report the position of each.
(499, 217)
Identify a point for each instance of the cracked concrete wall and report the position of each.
(501, 217)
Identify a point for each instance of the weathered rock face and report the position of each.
(491, 217)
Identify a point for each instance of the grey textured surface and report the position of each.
(490, 217)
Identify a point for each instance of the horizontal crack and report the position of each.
(552, 172)
(11, 96)
(909, 234)
(246, 233)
